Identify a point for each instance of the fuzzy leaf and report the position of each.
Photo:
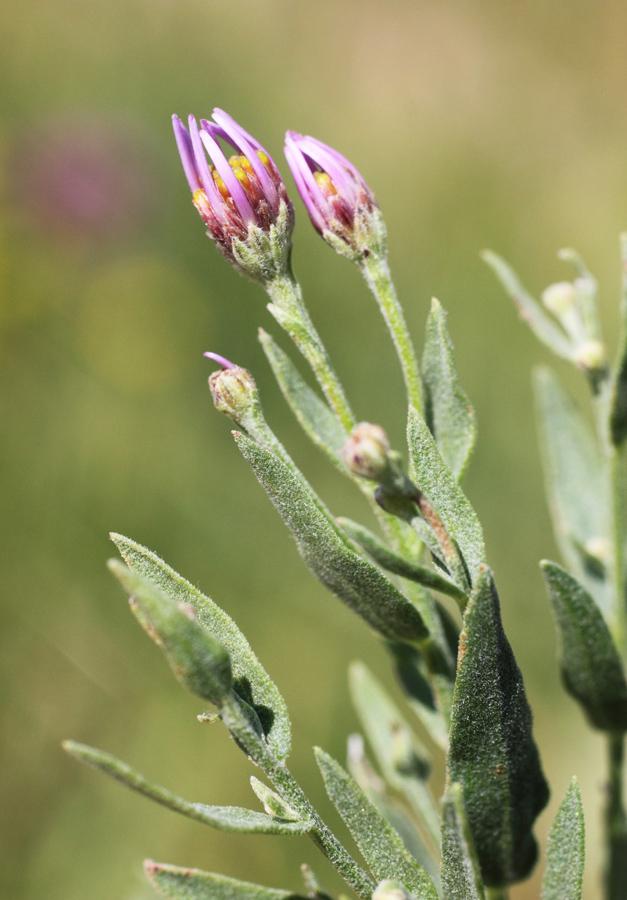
(404, 762)
(575, 485)
(396, 564)
(327, 552)
(313, 414)
(380, 845)
(565, 856)
(432, 476)
(193, 884)
(412, 674)
(618, 410)
(544, 328)
(492, 753)
(224, 818)
(251, 682)
(461, 877)
(448, 412)
(590, 664)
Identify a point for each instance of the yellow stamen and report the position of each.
(323, 180)
(224, 191)
(240, 162)
(241, 176)
(264, 158)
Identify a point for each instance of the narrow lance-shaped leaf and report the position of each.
(448, 412)
(492, 752)
(193, 884)
(590, 664)
(575, 487)
(250, 681)
(392, 811)
(403, 760)
(397, 564)
(326, 551)
(433, 477)
(225, 818)
(544, 328)
(313, 414)
(565, 856)
(379, 844)
(412, 674)
(461, 876)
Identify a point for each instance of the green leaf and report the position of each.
(434, 479)
(327, 552)
(224, 818)
(312, 413)
(492, 753)
(199, 662)
(251, 682)
(380, 845)
(193, 884)
(461, 877)
(448, 412)
(412, 673)
(565, 856)
(530, 310)
(376, 791)
(403, 760)
(618, 407)
(396, 564)
(575, 485)
(590, 664)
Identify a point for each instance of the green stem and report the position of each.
(292, 793)
(616, 823)
(617, 487)
(288, 309)
(377, 273)
(496, 893)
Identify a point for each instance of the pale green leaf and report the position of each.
(193, 884)
(461, 876)
(565, 856)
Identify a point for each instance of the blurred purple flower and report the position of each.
(332, 189)
(230, 194)
(83, 178)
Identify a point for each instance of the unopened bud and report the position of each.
(391, 890)
(367, 452)
(233, 390)
(274, 805)
(559, 298)
(591, 356)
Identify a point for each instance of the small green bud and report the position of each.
(199, 662)
(272, 803)
(591, 356)
(391, 890)
(234, 392)
(367, 452)
(559, 298)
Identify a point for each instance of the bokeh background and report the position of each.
(478, 123)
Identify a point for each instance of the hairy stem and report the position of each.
(377, 273)
(615, 823)
(290, 312)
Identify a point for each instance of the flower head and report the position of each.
(339, 202)
(242, 200)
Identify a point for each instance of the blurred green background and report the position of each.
(477, 123)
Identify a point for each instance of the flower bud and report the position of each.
(367, 452)
(559, 298)
(233, 390)
(274, 805)
(591, 356)
(199, 662)
(340, 204)
(391, 890)
(242, 200)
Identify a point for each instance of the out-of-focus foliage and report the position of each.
(483, 124)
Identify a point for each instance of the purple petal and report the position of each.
(249, 147)
(323, 156)
(228, 176)
(186, 152)
(306, 183)
(341, 159)
(202, 167)
(221, 360)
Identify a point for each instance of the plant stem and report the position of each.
(292, 793)
(288, 309)
(616, 823)
(496, 893)
(377, 273)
